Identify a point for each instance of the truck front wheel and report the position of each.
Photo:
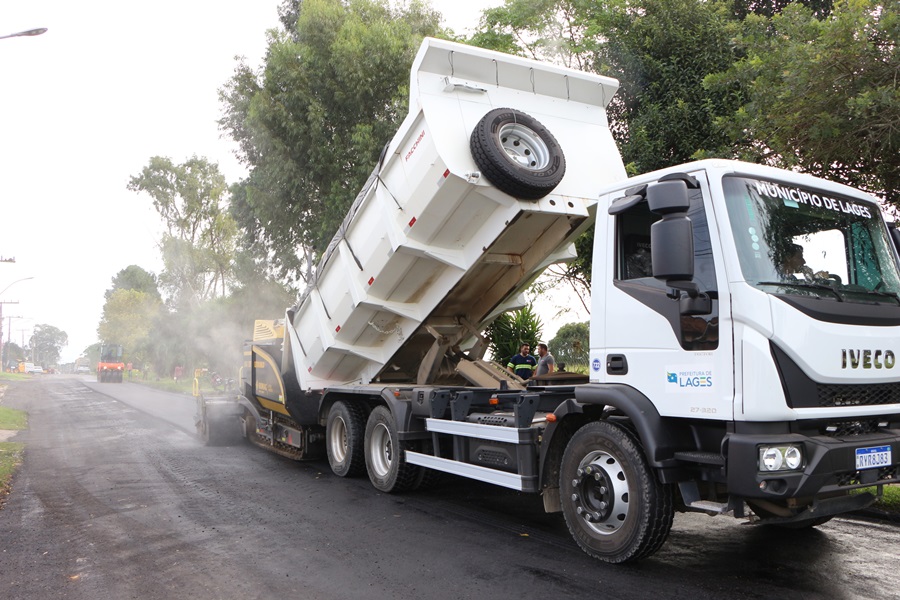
(388, 470)
(614, 506)
(344, 432)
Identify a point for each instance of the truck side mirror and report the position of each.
(672, 244)
(895, 237)
(672, 237)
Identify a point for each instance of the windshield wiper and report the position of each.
(805, 285)
(891, 295)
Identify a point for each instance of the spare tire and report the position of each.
(517, 154)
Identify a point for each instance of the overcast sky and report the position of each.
(83, 108)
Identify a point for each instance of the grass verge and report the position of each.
(10, 458)
(182, 386)
(11, 418)
(10, 452)
(4, 376)
(890, 501)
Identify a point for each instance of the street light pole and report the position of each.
(27, 33)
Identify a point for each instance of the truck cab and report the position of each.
(754, 314)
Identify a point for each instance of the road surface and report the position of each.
(118, 499)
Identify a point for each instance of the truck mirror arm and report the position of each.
(691, 301)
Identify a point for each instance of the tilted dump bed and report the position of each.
(431, 250)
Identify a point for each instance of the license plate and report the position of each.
(874, 457)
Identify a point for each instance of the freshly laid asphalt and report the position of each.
(116, 498)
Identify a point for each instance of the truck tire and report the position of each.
(517, 154)
(345, 430)
(385, 461)
(614, 506)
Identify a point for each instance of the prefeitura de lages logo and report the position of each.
(691, 378)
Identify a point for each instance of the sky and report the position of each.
(83, 107)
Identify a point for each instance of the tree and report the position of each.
(128, 318)
(311, 124)
(46, 343)
(132, 304)
(12, 353)
(822, 95)
(92, 353)
(571, 346)
(769, 8)
(660, 50)
(551, 30)
(135, 278)
(199, 243)
(512, 329)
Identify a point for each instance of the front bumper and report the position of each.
(829, 465)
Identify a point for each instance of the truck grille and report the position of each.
(855, 477)
(858, 395)
(842, 429)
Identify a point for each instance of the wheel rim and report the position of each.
(338, 440)
(601, 493)
(524, 147)
(381, 450)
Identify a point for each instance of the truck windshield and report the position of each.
(802, 241)
(110, 353)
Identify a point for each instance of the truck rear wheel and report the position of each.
(344, 435)
(517, 154)
(385, 461)
(614, 506)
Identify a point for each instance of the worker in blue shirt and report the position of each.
(523, 363)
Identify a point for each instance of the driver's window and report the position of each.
(633, 233)
(824, 252)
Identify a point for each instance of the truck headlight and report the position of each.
(780, 458)
(793, 458)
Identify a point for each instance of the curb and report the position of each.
(7, 434)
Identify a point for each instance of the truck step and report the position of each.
(709, 506)
(703, 458)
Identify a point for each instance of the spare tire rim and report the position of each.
(524, 147)
(601, 493)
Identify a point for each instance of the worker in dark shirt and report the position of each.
(523, 363)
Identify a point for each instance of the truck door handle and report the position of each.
(616, 364)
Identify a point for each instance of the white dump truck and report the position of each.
(728, 374)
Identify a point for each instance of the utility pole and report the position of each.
(1, 307)
(9, 319)
(2, 302)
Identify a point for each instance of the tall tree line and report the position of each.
(810, 85)
(786, 84)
